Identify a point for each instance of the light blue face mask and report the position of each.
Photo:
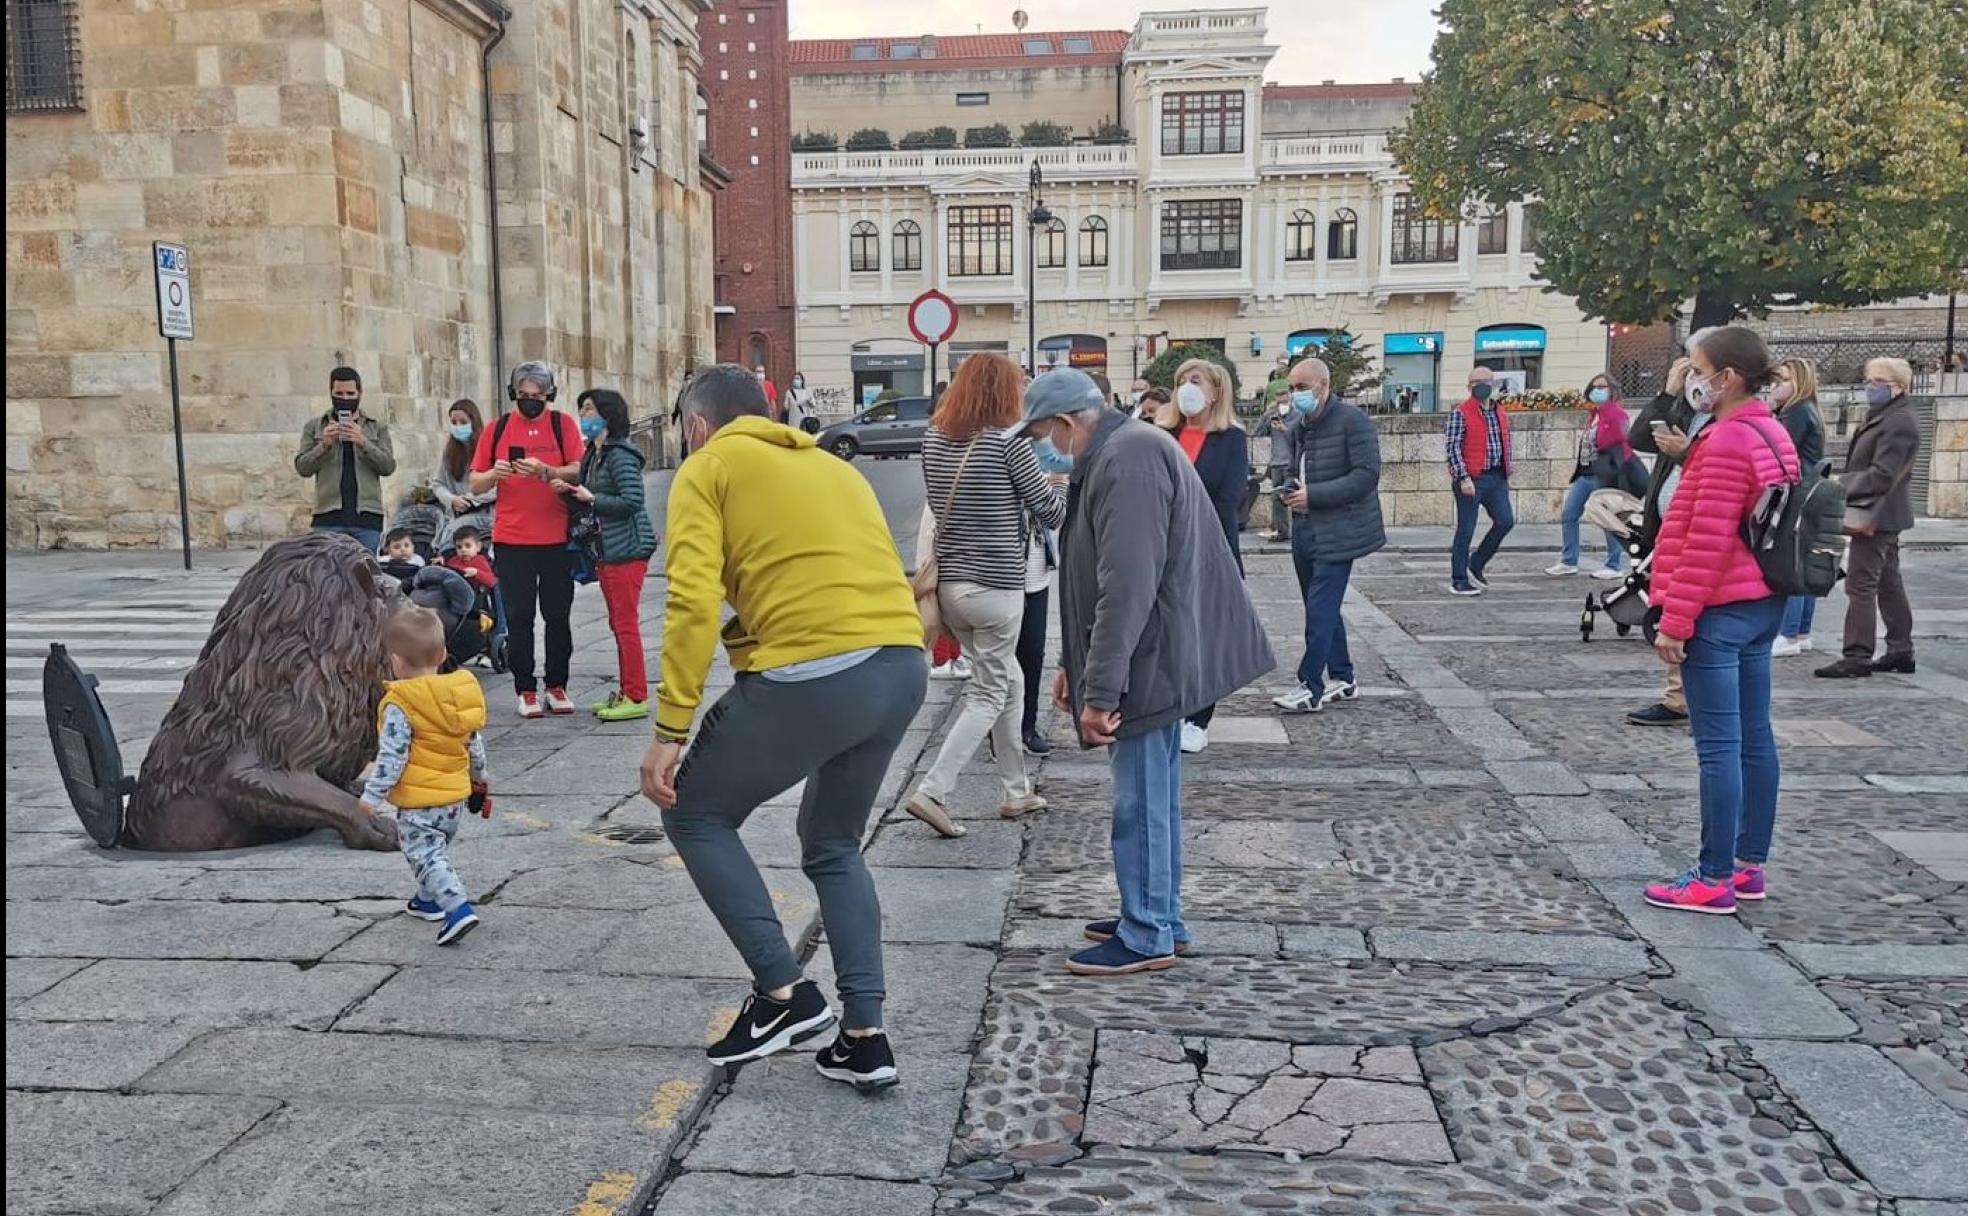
(1600, 396)
(1879, 394)
(463, 434)
(1051, 459)
(593, 428)
(1304, 400)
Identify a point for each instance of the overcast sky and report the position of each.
(1344, 40)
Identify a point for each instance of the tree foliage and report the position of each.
(1743, 152)
(1351, 362)
(934, 137)
(1161, 369)
(869, 139)
(1044, 133)
(814, 141)
(1107, 131)
(997, 135)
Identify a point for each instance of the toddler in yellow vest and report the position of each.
(430, 764)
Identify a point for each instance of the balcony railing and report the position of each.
(1314, 151)
(1075, 160)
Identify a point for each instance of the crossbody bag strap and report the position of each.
(950, 501)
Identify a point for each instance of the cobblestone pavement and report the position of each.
(1424, 981)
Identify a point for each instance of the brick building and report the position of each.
(746, 87)
(423, 191)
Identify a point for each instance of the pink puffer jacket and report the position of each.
(1700, 559)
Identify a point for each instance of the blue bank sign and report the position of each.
(1414, 344)
(1510, 339)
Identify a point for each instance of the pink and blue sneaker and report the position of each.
(1748, 881)
(1692, 893)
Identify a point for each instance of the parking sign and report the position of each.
(172, 265)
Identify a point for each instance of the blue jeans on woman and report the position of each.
(1147, 839)
(1799, 612)
(1727, 675)
(1568, 520)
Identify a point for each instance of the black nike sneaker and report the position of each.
(863, 1061)
(765, 1026)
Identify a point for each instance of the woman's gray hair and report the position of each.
(1899, 371)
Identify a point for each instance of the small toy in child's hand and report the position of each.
(480, 802)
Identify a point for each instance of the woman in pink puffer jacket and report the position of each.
(1718, 618)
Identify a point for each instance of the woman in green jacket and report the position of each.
(611, 480)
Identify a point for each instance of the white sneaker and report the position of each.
(1345, 690)
(962, 666)
(1298, 701)
(1194, 738)
(947, 671)
(1784, 648)
(1560, 570)
(1607, 574)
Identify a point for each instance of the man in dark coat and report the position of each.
(1336, 521)
(1155, 624)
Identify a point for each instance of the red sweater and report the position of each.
(477, 569)
(1700, 560)
(1475, 437)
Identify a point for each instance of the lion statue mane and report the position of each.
(277, 718)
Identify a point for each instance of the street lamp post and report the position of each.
(1036, 219)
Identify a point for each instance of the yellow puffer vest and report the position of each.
(444, 711)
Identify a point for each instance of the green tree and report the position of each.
(1742, 152)
(1161, 369)
(869, 139)
(1107, 131)
(1043, 133)
(997, 135)
(934, 137)
(814, 141)
(1351, 361)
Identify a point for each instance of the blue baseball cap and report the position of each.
(1062, 391)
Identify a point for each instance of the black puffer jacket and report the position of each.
(1335, 453)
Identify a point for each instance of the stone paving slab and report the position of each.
(1901, 1138)
(30, 977)
(541, 939)
(113, 1154)
(782, 1117)
(934, 995)
(1616, 859)
(618, 883)
(1751, 993)
(1942, 854)
(697, 1193)
(549, 1007)
(1572, 954)
(209, 993)
(988, 844)
(1537, 777)
(89, 1055)
(942, 905)
(1662, 927)
(1891, 961)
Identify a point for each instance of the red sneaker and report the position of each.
(529, 705)
(1748, 882)
(558, 702)
(1692, 893)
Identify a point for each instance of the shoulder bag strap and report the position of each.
(951, 499)
(1796, 478)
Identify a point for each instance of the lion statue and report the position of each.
(277, 718)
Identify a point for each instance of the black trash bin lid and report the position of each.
(85, 747)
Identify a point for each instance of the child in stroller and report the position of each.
(471, 563)
(450, 596)
(1626, 604)
(423, 518)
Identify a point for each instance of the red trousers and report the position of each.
(946, 649)
(621, 590)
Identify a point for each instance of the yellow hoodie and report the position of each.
(444, 712)
(795, 541)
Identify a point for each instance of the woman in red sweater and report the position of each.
(1718, 618)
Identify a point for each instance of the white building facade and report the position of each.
(1256, 220)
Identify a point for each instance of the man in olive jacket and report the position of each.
(1878, 482)
(348, 454)
(1336, 521)
(1155, 624)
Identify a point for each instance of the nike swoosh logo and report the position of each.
(765, 1031)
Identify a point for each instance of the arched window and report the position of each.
(864, 247)
(908, 246)
(703, 122)
(1493, 231)
(759, 348)
(1301, 237)
(1343, 236)
(1093, 241)
(1052, 245)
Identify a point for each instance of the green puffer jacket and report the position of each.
(612, 469)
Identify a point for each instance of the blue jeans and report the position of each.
(1493, 496)
(1799, 612)
(1568, 520)
(370, 538)
(1323, 587)
(1727, 675)
(1148, 839)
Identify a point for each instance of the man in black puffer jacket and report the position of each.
(1334, 495)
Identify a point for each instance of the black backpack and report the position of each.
(1797, 530)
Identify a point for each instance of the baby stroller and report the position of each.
(469, 631)
(1626, 604)
(423, 518)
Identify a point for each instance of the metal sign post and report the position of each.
(172, 266)
(933, 319)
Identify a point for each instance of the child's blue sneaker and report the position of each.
(424, 909)
(457, 922)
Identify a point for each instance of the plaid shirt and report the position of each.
(1492, 441)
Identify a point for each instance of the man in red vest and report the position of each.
(1478, 435)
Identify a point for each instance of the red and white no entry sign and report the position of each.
(933, 318)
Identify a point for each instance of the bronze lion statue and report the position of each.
(277, 718)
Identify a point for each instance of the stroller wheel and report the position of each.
(498, 653)
(1624, 630)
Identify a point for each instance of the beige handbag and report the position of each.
(924, 583)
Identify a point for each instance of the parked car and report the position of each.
(890, 428)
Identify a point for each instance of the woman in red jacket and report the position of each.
(1718, 618)
(1603, 451)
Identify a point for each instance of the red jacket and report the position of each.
(1700, 559)
(1475, 437)
(477, 569)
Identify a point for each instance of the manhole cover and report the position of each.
(621, 834)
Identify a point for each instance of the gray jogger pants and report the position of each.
(425, 838)
(836, 733)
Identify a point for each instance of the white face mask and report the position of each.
(1700, 392)
(1191, 399)
(1134, 398)
(1781, 393)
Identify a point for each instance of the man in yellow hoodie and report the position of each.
(827, 646)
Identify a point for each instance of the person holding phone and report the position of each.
(348, 454)
(522, 454)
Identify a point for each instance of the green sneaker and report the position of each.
(614, 699)
(621, 709)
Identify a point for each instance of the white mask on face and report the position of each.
(1191, 399)
(1781, 392)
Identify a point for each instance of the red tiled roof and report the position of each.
(956, 51)
(1338, 92)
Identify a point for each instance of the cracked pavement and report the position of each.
(1424, 981)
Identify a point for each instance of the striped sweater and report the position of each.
(981, 538)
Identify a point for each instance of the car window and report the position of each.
(915, 409)
(885, 412)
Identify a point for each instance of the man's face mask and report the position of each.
(531, 406)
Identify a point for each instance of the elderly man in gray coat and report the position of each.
(1155, 625)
